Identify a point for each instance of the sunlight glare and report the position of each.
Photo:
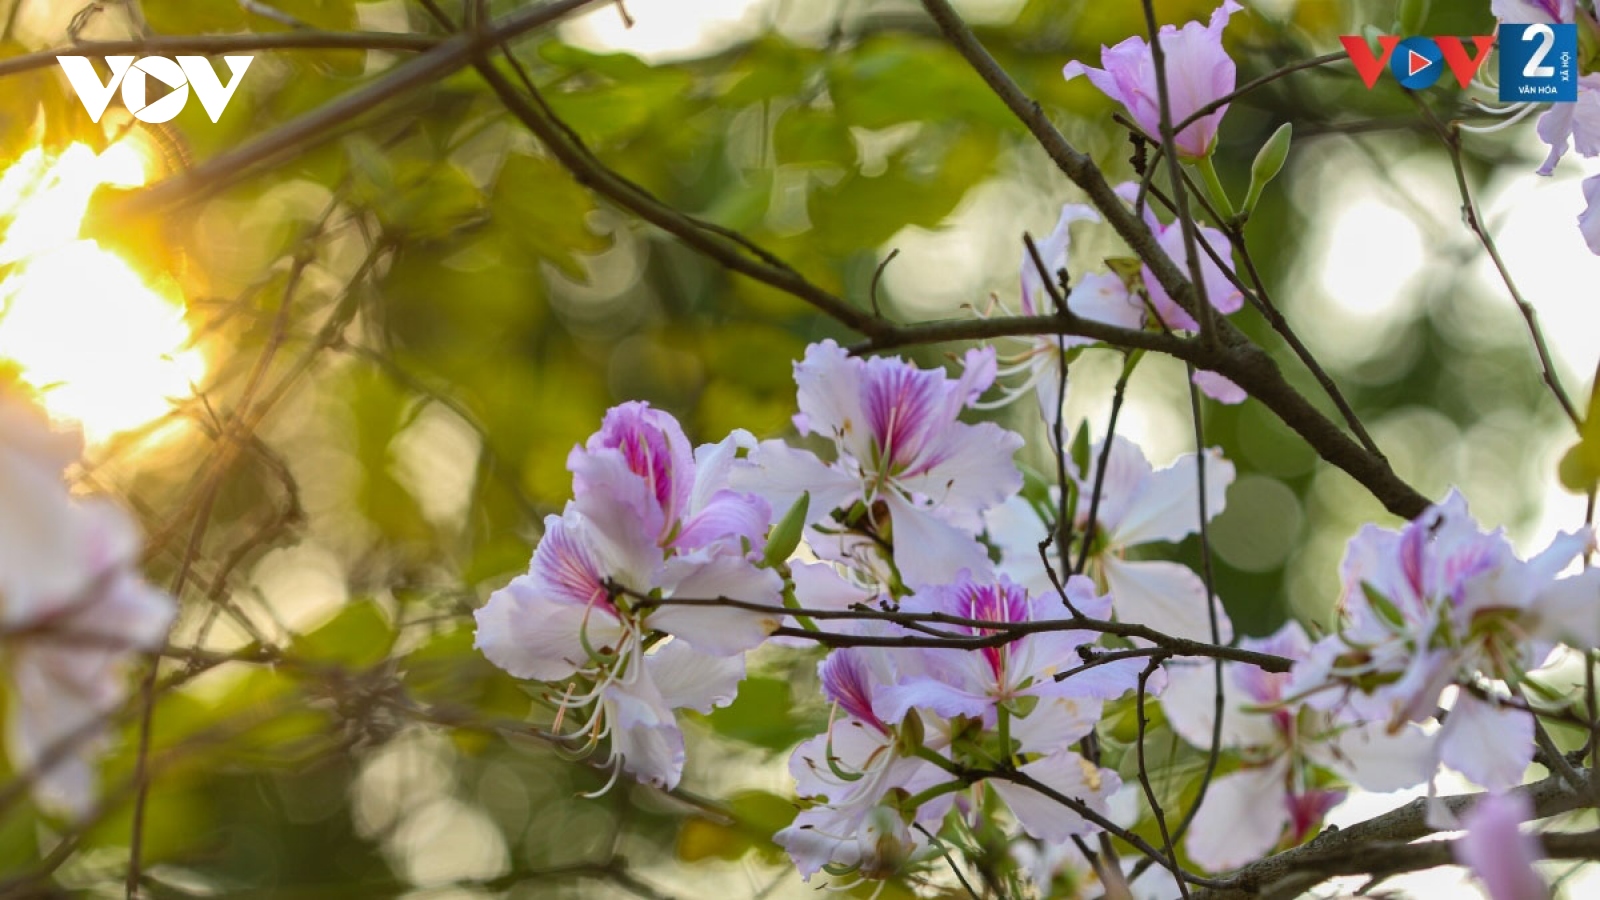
(104, 347)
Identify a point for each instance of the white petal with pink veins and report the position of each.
(718, 629)
(1069, 775)
(523, 631)
(929, 550)
(1488, 743)
(1242, 816)
(1166, 596)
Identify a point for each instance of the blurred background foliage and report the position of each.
(445, 312)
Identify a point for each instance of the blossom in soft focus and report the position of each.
(1573, 125)
(1499, 852)
(907, 468)
(1533, 12)
(1139, 505)
(1442, 602)
(1199, 71)
(651, 522)
(1278, 796)
(74, 605)
(1107, 298)
(1211, 245)
(1589, 220)
(1097, 297)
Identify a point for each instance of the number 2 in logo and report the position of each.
(1538, 63)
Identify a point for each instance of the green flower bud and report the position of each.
(1268, 163)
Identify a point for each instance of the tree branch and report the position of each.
(319, 125)
(219, 44)
(1349, 846)
(1232, 354)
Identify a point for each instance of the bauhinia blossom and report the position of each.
(1280, 793)
(1441, 603)
(1137, 505)
(859, 766)
(1589, 220)
(73, 609)
(1108, 298)
(1013, 690)
(1098, 297)
(977, 684)
(1499, 852)
(906, 468)
(1199, 71)
(650, 524)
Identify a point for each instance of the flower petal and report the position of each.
(689, 679)
(929, 550)
(1166, 596)
(1068, 774)
(530, 635)
(1190, 704)
(1499, 852)
(1167, 507)
(718, 629)
(1488, 743)
(1241, 818)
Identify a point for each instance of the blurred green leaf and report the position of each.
(359, 636)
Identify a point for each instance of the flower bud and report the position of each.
(785, 536)
(1268, 163)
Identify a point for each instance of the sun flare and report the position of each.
(102, 345)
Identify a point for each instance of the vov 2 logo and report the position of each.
(132, 76)
(1538, 62)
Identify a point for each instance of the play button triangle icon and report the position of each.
(1418, 62)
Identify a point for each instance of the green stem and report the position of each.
(1219, 194)
(938, 790)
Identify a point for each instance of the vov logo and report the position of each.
(133, 77)
(1537, 62)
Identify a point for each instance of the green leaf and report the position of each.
(1579, 469)
(543, 212)
(763, 716)
(359, 636)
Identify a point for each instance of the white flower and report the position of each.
(74, 606)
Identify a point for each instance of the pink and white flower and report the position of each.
(906, 466)
(1279, 795)
(1439, 603)
(1138, 505)
(649, 525)
(976, 683)
(857, 767)
(1199, 71)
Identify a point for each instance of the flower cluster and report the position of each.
(74, 611)
(972, 665)
(667, 565)
(1443, 604)
(652, 520)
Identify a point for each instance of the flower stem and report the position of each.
(1219, 194)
